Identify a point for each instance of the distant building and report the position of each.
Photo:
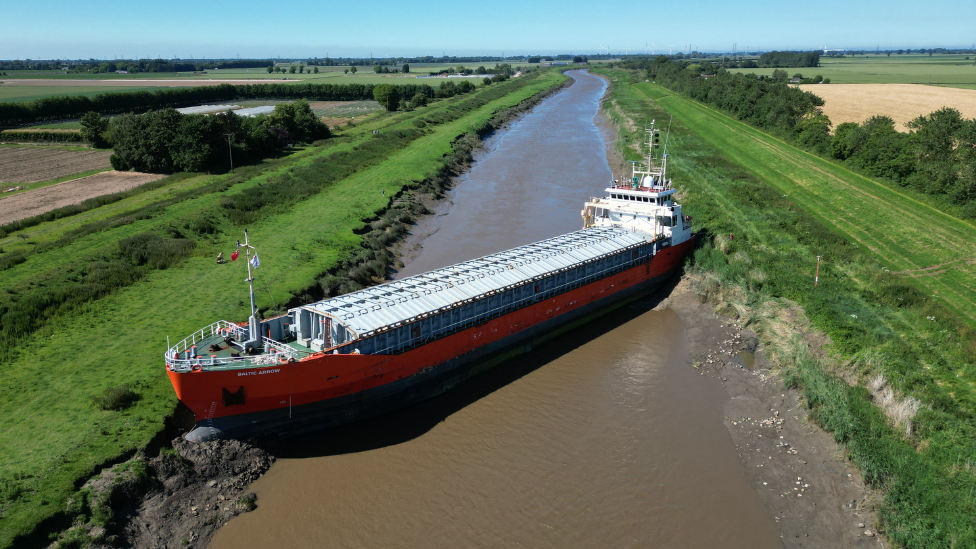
(795, 80)
(707, 76)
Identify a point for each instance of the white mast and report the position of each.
(255, 336)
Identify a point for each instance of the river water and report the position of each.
(605, 437)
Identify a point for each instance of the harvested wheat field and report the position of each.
(32, 164)
(902, 102)
(38, 201)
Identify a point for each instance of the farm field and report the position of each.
(902, 102)
(31, 164)
(51, 380)
(941, 70)
(19, 94)
(24, 89)
(38, 201)
(896, 302)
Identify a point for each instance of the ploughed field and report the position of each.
(33, 164)
(901, 102)
(44, 199)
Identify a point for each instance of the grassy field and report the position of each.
(83, 84)
(19, 94)
(895, 298)
(942, 70)
(53, 435)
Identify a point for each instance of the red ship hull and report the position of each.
(325, 390)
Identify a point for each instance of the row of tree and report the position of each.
(937, 156)
(67, 107)
(165, 141)
(789, 59)
(133, 65)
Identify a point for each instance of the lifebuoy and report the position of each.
(291, 360)
(196, 368)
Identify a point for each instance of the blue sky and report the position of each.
(44, 29)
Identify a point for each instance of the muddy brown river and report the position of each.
(605, 437)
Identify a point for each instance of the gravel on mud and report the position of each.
(816, 497)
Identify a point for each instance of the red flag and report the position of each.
(233, 256)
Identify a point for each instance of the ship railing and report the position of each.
(177, 359)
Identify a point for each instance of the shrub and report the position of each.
(116, 398)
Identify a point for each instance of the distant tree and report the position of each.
(352, 69)
(534, 60)
(798, 75)
(577, 59)
(93, 128)
(387, 96)
(418, 100)
(301, 69)
(345, 71)
(315, 70)
(405, 68)
(270, 69)
(378, 69)
(826, 81)
(818, 79)
(780, 75)
(487, 81)
(292, 69)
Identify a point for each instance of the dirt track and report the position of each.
(902, 102)
(32, 164)
(38, 201)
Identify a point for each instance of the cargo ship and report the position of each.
(379, 349)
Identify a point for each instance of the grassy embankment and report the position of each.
(939, 70)
(896, 384)
(302, 213)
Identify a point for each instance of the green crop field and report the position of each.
(896, 298)
(942, 70)
(53, 436)
(19, 94)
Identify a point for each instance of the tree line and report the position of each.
(166, 141)
(789, 59)
(134, 65)
(936, 157)
(65, 107)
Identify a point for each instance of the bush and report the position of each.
(155, 251)
(116, 398)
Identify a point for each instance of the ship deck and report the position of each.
(235, 350)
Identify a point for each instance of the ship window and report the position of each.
(537, 288)
(233, 398)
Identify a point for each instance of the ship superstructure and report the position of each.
(382, 348)
(645, 203)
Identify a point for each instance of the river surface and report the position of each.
(605, 437)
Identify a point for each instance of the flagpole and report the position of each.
(253, 321)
